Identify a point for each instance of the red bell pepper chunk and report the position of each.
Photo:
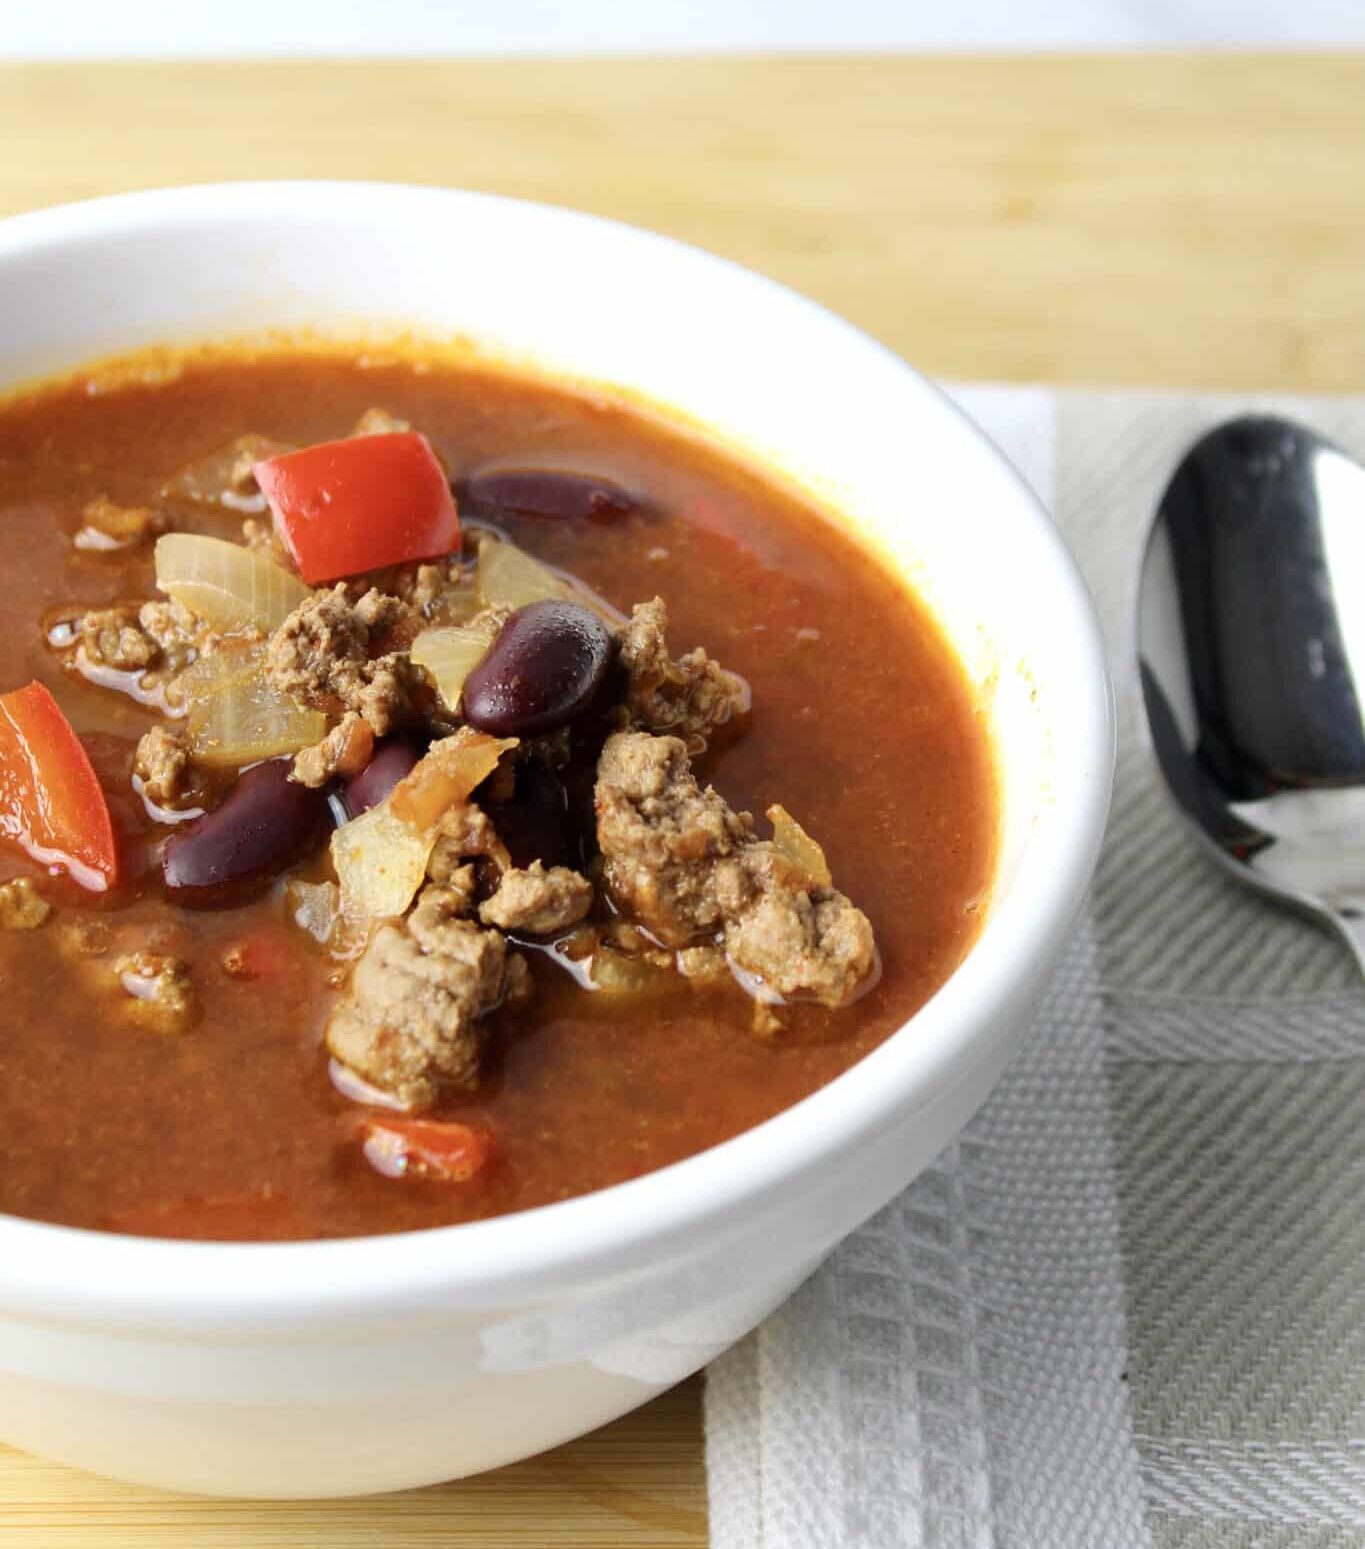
(347, 506)
(51, 802)
(444, 1151)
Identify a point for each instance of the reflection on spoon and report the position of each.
(1251, 653)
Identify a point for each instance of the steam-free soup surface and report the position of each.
(862, 727)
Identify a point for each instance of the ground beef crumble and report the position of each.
(344, 751)
(107, 526)
(114, 637)
(162, 766)
(537, 901)
(141, 637)
(690, 697)
(413, 1021)
(465, 833)
(685, 865)
(22, 906)
(179, 635)
(670, 849)
(320, 656)
(159, 987)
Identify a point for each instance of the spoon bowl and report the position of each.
(1251, 655)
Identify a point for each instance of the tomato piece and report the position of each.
(51, 801)
(343, 507)
(441, 1150)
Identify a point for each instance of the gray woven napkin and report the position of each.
(1127, 1308)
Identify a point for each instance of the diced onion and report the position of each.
(315, 908)
(451, 653)
(380, 863)
(459, 602)
(449, 774)
(226, 585)
(510, 578)
(223, 478)
(794, 844)
(613, 973)
(381, 857)
(234, 716)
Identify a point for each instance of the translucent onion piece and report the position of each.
(449, 774)
(226, 585)
(224, 478)
(458, 603)
(613, 973)
(315, 907)
(234, 716)
(450, 654)
(211, 673)
(380, 861)
(793, 843)
(510, 578)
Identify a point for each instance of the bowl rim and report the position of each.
(52, 1271)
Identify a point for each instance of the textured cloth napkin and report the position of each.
(1127, 1308)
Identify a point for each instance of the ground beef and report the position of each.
(670, 849)
(345, 751)
(461, 884)
(703, 964)
(22, 906)
(160, 988)
(537, 901)
(180, 637)
(162, 765)
(259, 533)
(320, 656)
(413, 1021)
(465, 832)
(797, 939)
(689, 697)
(430, 590)
(114, 637)
(687, 867)
(106, 526)
(427, 584)
(157, 640)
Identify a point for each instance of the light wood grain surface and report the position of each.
(1183, 221)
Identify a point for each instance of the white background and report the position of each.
(86, 28)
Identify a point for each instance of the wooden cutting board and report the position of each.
(1159, 220)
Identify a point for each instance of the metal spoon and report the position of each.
(1251, 650)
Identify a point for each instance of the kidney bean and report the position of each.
(390, 761)
(540, 672)
(545, 492)
(226, 856)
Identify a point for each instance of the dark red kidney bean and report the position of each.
(541, 671)
(391, 760)
(544, 492)
(267, 823)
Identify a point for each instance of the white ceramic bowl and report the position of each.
(344, 1367)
